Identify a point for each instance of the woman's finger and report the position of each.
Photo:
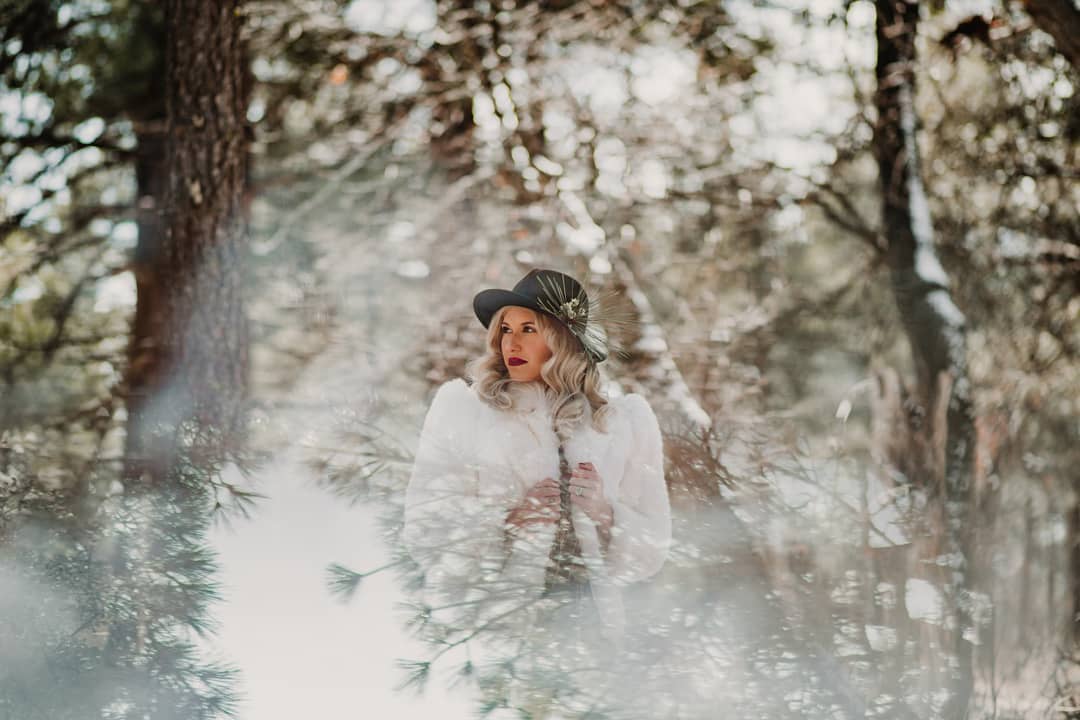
(595, 508)
(577, 492)
(586, 483)
(587, 504)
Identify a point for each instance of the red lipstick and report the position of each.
(516, 361)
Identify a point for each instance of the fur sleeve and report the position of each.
(451, 529)
(641, 533)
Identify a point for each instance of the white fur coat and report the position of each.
(475, 462)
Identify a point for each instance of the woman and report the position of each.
(529, 484)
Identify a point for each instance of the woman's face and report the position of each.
(524, 350)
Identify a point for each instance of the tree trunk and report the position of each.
(190, 345)
(1060, 19)
(144, 355)
(205, 230)
(1073, 550)
(935, 327)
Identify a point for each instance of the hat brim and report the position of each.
(488, 302)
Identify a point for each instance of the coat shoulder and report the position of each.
(451, 418)
(454, 400)
(633, 405)
(455, 389)
(638, 413)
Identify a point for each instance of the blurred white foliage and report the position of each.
(923, 601)
(88, 130)
(880, 637)
(115, 292)
(661, 74)
(413, 269)
(390, 17)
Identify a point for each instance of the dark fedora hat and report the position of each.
(554, 293)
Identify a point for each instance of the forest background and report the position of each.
(235, 232)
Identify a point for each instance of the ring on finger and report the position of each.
(578, 490)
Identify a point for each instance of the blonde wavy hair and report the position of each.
(573, 382)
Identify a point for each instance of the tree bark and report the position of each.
(151, 174)
(1073, 548)
(934, 326)
(189, 357)
(1060, 19)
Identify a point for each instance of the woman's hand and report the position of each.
(540, 506)
(587, 493)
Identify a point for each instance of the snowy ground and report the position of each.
(301, 652)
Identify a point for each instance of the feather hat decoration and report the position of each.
(601, 324)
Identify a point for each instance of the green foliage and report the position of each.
(69, 224)
(102, 60)
(107, 605)
(343, 581)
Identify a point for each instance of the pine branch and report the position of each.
(343, 582)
